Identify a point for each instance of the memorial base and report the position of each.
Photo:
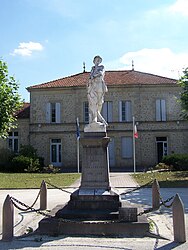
(95, 208)
(98, 222)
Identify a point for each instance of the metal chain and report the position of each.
(14, 201)
(137, 188)
(163, 203)
(166, 201)
(27, 207)
(58, 187)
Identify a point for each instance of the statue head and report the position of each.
(97, 60)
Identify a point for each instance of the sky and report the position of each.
(43, 40)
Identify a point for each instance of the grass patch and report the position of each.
(166, 179)
(33, 180)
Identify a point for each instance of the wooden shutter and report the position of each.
(48, 113)
(163, 110)
(158, 110)
(120, 111)
(57, 110)
(128, 112)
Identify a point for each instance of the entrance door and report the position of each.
(55, 152)
(111, 153)
(162, 147)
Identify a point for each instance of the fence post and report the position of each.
(155, 195)
(43, 196)
(8, 220)
(178, 220)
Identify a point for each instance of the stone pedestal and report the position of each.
(95, 191)
(95, 162)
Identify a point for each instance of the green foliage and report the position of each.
(10, 100)
(29, 151)
(26, 161)
(183, 82)
(51, 169)
(178, 161)
(22, 163)
(163, 166)
(5, 158)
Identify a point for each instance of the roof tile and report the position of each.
(125, 77)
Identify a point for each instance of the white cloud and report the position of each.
(26, 49)
(180, 6)
(162, 62)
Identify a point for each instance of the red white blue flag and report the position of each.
(135, 132)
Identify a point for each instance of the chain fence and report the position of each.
(24, 207)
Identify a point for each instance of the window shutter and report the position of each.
(109, 111)
(105, 111)
(128, 109)
(57, 110)
(163, 110)
(48, 115)
(120, 111)
(158, 110)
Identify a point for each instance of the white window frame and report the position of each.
(125, 111)
(14, 139)
(160, 110)
(49, 112)
(127, 147)
(58, 144)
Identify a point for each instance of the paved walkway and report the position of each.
(121, 181)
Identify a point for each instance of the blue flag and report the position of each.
(77, 129)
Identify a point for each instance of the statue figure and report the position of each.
(96, 90)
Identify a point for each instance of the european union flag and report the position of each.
(77, 129)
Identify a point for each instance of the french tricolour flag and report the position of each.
(135, 132)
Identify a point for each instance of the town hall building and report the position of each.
(48, 122)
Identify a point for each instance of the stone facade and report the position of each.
(169, 136)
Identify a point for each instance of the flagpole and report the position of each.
(134, 155)
(78, 144)
(78, 154)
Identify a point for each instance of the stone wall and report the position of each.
(39, 133)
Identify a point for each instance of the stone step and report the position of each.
(87, 214)
(58, 226)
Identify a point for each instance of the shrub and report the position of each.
(5, 158)
(51, 169)
(22, 163)
(163, 166)
(178, 161)
(28, 151)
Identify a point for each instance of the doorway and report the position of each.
(55, 152)
(162, 147)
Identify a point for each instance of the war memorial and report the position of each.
(95, 208)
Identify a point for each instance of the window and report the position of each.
(160, 110)
(127, 147)
(53, 113)
(125, 111)
(13, 142)
(55, 152)
(86, 112)
(107, 111)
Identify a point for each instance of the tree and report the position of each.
(10, 101)
(183, 82)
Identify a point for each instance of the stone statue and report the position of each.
(96, 90)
